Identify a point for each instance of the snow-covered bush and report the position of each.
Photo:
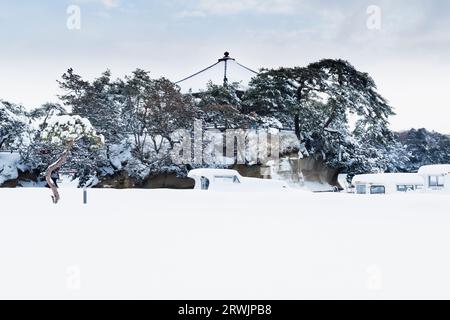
(8, 166)
(13, 124)
(65, 132)
(321, 103)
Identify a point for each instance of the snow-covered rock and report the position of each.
(8, 166)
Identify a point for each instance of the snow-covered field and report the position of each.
(162, 244)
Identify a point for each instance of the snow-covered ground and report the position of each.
(223, 245)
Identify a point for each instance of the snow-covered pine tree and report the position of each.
(13, 123)
(65, 132)
(271, 96)
(42, 114)
(423, 148)
(220, 95)
(152, 110)
(351, 93)
(31, 153)
(98, 101)
(321, 103)
(220, 107)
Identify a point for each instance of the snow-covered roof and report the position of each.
(212, 172)
(435, 169)
(388, 178)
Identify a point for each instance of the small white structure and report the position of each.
(387, 183)
(436, 177)
(224, 179)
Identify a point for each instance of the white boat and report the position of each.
(436, 177)
(387, 183)
(225, 179)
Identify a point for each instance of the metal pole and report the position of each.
(225, 79)
(225, 59)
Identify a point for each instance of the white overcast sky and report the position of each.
(408, 57)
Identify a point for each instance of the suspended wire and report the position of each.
(242, 66)
(215, 64)
(196, 74)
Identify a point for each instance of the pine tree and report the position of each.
(13, 124)
(220, 107)
(98, 101)
(317, 102)
(66, 132)
(423, 147)
(152, 110)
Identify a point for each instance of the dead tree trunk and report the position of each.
(52, 168)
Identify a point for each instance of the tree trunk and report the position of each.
(3, 140)
(332, 116)
(297, 125)
(108, 156)
(52, 168)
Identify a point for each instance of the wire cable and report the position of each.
(196, 74)
(242, 66)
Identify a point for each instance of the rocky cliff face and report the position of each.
(294, 170)
(122, 180)
(22, 179)
(168, 181)
(308, 169)
(290, 168)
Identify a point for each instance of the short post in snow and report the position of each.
(84, 196)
